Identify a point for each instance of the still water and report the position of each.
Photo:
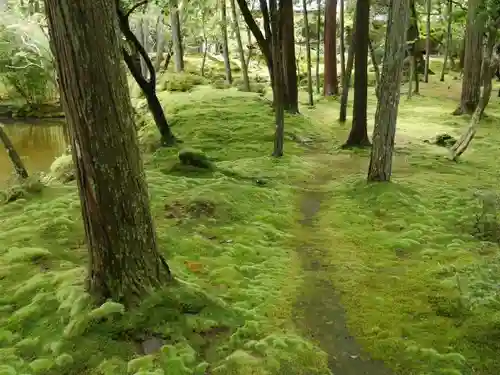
(38, 144)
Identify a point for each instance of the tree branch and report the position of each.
(140, 3)
(263, 43)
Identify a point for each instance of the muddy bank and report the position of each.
(10, 113)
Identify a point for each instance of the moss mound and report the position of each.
(228, 244)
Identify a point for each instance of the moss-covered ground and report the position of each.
(418, 288)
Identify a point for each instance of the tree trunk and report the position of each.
(414, 36)
(225, 43)
(124, 259)
(289, 63)
(347, 80)
(250, 49)
(488, 67)
(278, 72)
(330, 85)
(170, 47)
(342, 42)
(17, 163)
(375, 66)
(160, 42)
(471, 83)
(428, 41)
(410, 77)
(380, 167)
(236, 28)
(318, 44)
(358, 137)
(448, 38)
(145, 44)
(175, 25)
(308, 54)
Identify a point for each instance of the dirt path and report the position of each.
(320, 312)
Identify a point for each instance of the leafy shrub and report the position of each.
(180, 81)
(26, 63)
(221, 84)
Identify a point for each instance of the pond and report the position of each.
(38, 144)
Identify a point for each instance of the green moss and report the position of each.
(229, 247)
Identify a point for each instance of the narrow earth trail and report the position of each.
(320, 314)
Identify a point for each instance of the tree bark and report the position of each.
(380, 167)
(488, 68)
(428, 41)
(124, 260)
(225, 43)
(410, 79)
(331, 85)
(308, 54)
(289, 63)
(175, 25)
(471, 83)
(236, 28)
(342, 42)
(318, 44)
(16, 161)
(278, 72)
(358, 137)
(448, 38)
(415, 37)
(347, 80)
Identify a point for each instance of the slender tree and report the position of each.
(428, 41)
(124, 262)
(448, 38)
(236, 29)
(175, 26)
(225, 43)
(278, 72)
(380, 167)
(287, 41)
(16, 161)
(308, 54)
(330, 85)
(318, 44)
(346, 83)
(342, 41)
(358, 137)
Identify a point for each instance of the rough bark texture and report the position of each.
(308, 54)
(279, 107)
(17, 163)
(387, 108)
(346, 83)
(489, 65)
(331, 84)
(236, 29)
(358, 137)
(225, 43)
(471, 82)
(287, 42)
(124, 262)
(175, 25)
(448, 38)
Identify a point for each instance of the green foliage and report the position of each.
(26, 66)
(181, 82)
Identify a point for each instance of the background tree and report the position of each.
(389, 91)
(330, 85)
(175, 26)
(449, 35)
(358, 137)
(308, 55)
(124, 259)
(287, 41)
(243, 63)
(17, 162)
(225, 43)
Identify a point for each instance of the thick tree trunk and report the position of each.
(380, 167)
(448, 38)
(471, 83)
(331, 84)
(278, 72)
(236, 28)
(308, 54)
(175, 25)
(358, 137)
(225, 43)
(287, 41)
(318, 44)
(124, 262)
(346, 83)
(488, 67)
(342, 42)
(17, 163)
(428, 41)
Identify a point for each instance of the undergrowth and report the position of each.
(226, 238)
(419, 285)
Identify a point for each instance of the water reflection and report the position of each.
(38, 145)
